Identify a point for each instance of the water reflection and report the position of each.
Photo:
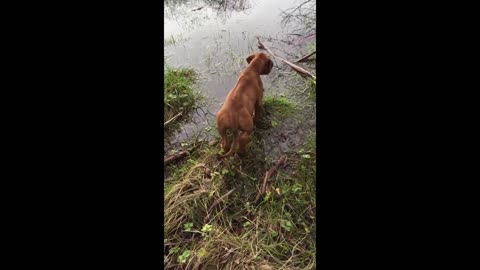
(191, 13)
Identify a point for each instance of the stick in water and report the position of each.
(306, 57)
(300, 70)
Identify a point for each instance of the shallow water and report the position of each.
(217, 39)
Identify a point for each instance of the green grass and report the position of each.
(179, 95)
(278, 105)
(279, 231)
(312, 88)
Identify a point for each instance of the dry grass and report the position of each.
(278, 233)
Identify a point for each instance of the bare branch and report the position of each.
(300, 70)
(172, 158)
(305, 57)
(172, 119)
(269, 174)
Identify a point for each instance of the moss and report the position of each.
(278, 105)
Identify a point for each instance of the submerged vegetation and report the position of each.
(172, 40)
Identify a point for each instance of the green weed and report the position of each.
(179, 96)
(278, 105)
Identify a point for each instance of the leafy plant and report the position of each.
(202, 252)
(296, 187)
(183, 258)
(188, 227)
(206, 228)
(174, 250)
(287, 225)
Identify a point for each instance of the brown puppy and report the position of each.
(242, 103)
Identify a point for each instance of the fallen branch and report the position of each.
(207, 218)
(306, 57)
(300, 70)
(172, 119)
(172, 158)
(263, 47)
(268, 175)
(179, 155)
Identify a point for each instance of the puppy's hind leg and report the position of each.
(258, 110)
(234, 145)
(246, 125)
(244, 138)
(223, 134)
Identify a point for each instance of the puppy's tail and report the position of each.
(234, 144)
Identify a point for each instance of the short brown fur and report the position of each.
(243, 104)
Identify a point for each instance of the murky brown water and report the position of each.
(217, 39)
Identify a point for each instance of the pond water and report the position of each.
(216, 39)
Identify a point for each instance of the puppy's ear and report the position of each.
(250, 58)
(268, 67)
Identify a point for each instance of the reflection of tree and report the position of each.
(223, 7)
(232, 5)
(304, 15)
(228, 5)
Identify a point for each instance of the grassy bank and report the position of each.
(212, 222)
(179, 94)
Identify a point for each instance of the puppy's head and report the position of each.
(267, 64)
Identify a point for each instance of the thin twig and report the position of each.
(172, 158)
(269, 174)
(172, 119)
(179, 155)
(305, 57)
(206, 219)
